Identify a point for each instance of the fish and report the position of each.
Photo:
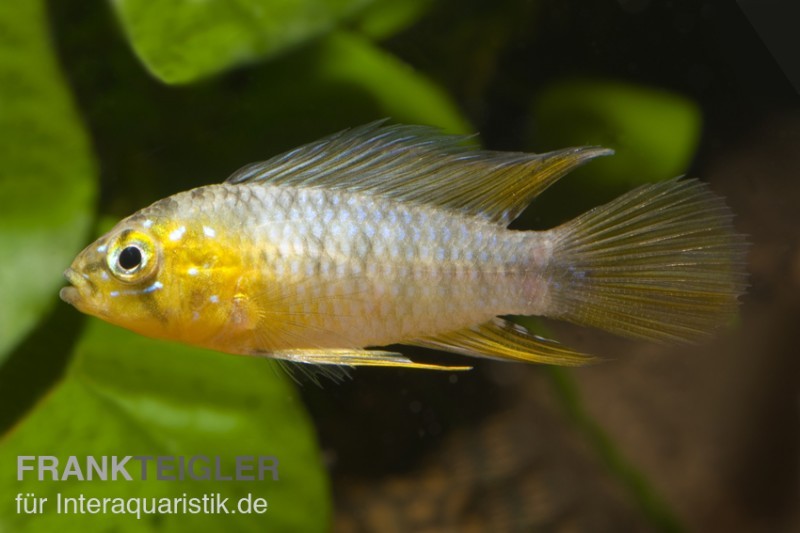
(397, 234)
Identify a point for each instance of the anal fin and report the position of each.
(355, 358)
(502, 339)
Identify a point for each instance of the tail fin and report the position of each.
(662, 262)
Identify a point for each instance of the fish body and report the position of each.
(396, 234)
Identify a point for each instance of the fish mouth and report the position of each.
(72, 293)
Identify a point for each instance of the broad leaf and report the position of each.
(46, 175)
(399, 91)
(181, 41)
(128, 395)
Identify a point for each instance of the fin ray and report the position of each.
(662, 262)
(505, 340)
(355, 358)
(419, 164)
(314, 373)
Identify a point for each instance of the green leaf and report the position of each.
(46, 176)
(385, 18)
(128, 395)
(181, 41)
(396, 88)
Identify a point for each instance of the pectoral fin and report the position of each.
(356, 358)
(501, 339)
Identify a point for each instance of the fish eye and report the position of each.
(131, 256)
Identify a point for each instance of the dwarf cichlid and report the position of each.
(397, 234)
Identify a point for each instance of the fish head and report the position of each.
(118, 276)
(166, 272)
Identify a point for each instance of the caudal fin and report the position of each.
(662, 262)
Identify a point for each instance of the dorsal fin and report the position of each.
(421, 165)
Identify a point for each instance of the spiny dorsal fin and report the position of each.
(421, 165)
(501, 339)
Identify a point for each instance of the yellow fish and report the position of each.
(397, 234)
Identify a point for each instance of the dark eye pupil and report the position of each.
(130, 258)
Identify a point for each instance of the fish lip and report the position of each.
(69, 295)
(72, 293)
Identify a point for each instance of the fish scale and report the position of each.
(405, 287)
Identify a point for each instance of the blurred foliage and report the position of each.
(46, 177)
(180, 41)
(227, 83)
(124, 394)
(651, 505)
(385, 18)
(654, 134)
